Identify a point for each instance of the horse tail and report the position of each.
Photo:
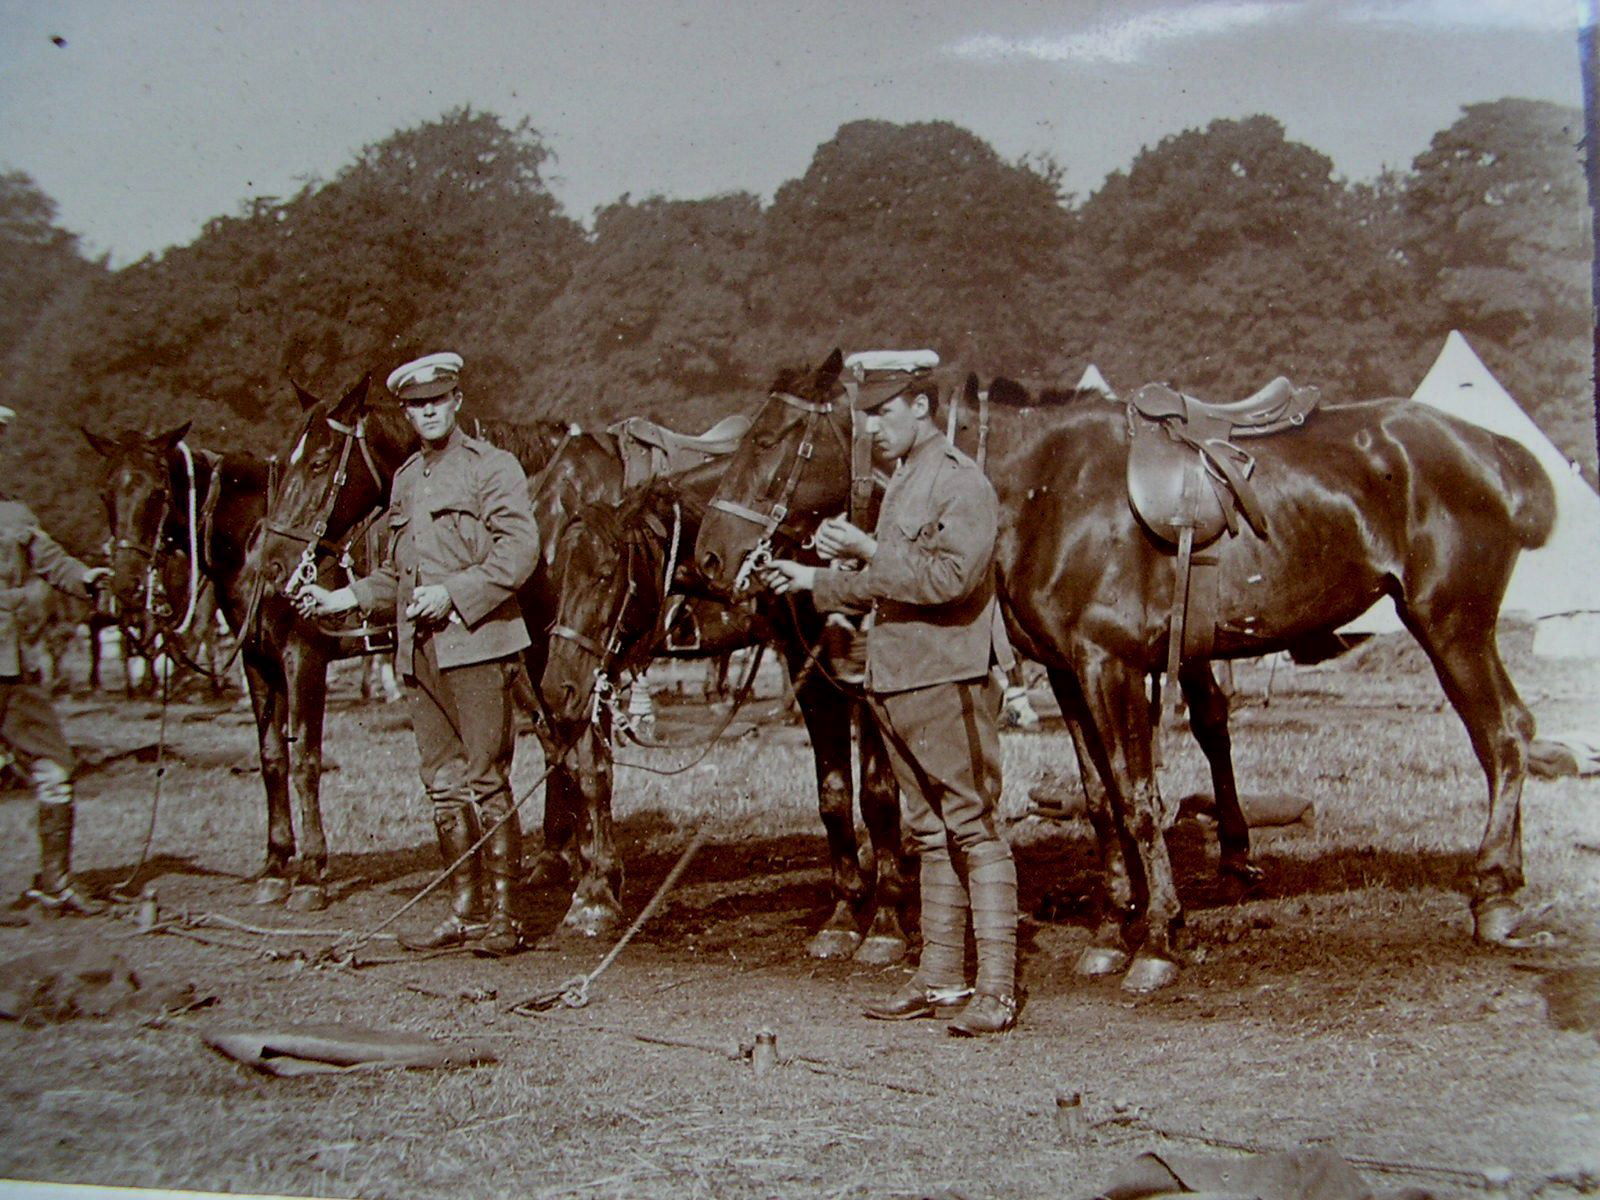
(1530, 493)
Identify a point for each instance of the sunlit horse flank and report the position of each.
(612, 563)
(148, 486)
(1375, 498)
(344, 457)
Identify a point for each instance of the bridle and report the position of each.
(151, 553)
(772, 522)
(315, 540)
(608, 653)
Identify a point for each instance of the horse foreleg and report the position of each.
(270, 704)
(886, 940)
(1107, 952)
(1119, 712)
(306, 672)
(827, 717)
(596, 910)
(1208, 718)
(556, 864)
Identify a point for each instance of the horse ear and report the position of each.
(969, 393)
(171, 440)
(307, 400)
(103, 446)
(356, 397)
(832, 365)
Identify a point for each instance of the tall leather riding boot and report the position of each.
(992, 885)
(456, 823)
(54, 889)
(503, 860)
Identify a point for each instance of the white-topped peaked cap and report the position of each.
(868, 361)
(426, 377)
(884, 374)
(6, 414)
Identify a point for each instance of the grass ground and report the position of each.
(1344, 1004)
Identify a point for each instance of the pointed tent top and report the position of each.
(1092, 381)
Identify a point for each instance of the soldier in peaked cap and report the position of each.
(462, 541)
(928, 578)
(29, 727)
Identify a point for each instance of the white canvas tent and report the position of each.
(1093, 381)
(1558, 585)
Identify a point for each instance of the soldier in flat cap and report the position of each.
(928, 577)
(29, 727)
(463, 540)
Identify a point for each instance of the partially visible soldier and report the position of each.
(29, 727)
(463, 540)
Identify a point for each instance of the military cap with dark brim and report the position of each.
(426, 378)
(881, 375)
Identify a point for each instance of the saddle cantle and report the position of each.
(650, 450)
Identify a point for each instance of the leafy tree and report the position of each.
(916, 233)
(1500, 238)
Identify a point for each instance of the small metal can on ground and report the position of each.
(764, 1056)
(149, 912)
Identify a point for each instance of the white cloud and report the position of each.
(1127, 41)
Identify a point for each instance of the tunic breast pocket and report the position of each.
(395, 544)
(461, 534)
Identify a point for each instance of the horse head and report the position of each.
(140, 510)
(336, 474)
(611, 564)
(782, 467)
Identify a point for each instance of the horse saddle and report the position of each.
(650, 450)
(1185, 469)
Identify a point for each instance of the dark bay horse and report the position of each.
(1382, 497)
(152, 485)
(614, 563)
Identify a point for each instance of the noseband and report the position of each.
(773, 521)
(305, 571)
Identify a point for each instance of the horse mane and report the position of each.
(1011, 394)
(531, 442)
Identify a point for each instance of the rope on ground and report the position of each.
(574, 993)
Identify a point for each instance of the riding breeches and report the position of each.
(464, 723)
(31, 730)
(944, 747)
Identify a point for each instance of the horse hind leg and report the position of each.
(1208, 720)
(1500, 727)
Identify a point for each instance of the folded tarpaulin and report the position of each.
(1556, 754)
(331, 1049)
(1309, 1173)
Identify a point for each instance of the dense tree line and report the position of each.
(1221, 257)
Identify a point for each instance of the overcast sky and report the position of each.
(143, 120)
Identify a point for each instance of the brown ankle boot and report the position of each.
(54, 889)
(457, 827)
(503, 860)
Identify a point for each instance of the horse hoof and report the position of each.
(1096, 962)
(590, 921)
(1499, 923)
(1149, 974)
(833, 943)
(1246, 874)
(271, 889)
(881, 950)
(307, 897)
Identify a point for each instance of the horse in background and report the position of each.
(1381, 497)
(166, 499)
(620, 568)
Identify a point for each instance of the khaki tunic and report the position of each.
(459, 516)
(930, 586)
(28, 552)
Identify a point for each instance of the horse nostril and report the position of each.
(273, 571)
(710, 562)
